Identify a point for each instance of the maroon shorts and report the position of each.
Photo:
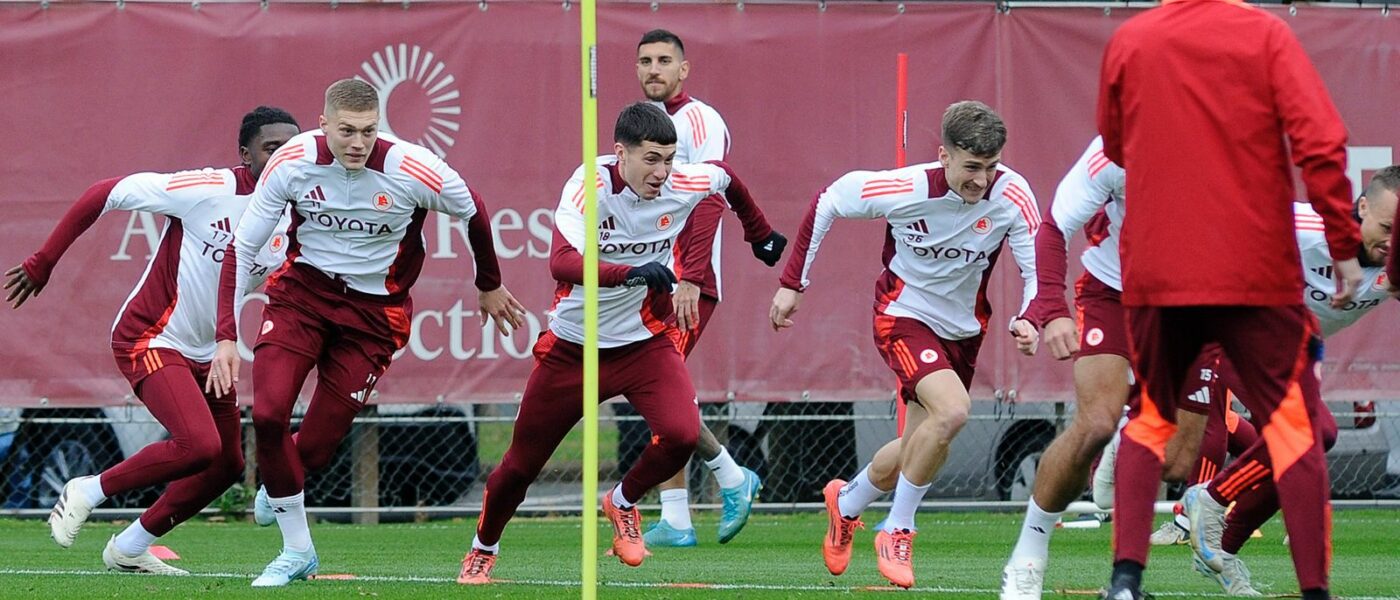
(352, 335)
(913, 351)
(687, 339)
(1204, 392)
(137, 365)
(1102, 324)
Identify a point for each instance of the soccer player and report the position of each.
(1216, 539)
(341, 302)
(701, 136)
(1089, 197)
(163, 339)
(643, 204)
(1222, 265)
(947, 224)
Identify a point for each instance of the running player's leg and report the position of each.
(292, 337)
(169, 391)
(654, 379)
(1102, 378)
(1274, 353)
(738, 485)
(1255, 504)
(1198, 449)
(1165, 341)
(184, 498)
(176, 400)
(551, 405)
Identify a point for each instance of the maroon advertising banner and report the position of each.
(91, 91)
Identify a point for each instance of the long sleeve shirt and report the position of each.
(1201, 101)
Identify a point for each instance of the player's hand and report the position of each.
(770, 249)
(1061, 337)
(223, 370)
(1027, 337)
(686, 301)
(500, 305)
(653, 275)
(21, 286)
(1347, 274)
(785, 305)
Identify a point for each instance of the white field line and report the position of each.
(654, 585)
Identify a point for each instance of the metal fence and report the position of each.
(434, 459)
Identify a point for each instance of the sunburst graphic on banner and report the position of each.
(417, 100)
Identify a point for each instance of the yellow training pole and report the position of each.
(589, 47)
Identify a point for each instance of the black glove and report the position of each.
(653, 275)
(770, 249)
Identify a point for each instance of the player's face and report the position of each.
(268, 139)
(350, 135)
(661, 69)
(645, 167)
(968, 174)
(1377, 217)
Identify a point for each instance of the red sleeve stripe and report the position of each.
(1023, 202)
(179, 182)
(290, 154)
(697, 125)
(195, 184)
(184, 177)
(422, 174)
(886, 187)
(696, 179)
(425, 170)
(578, 198)
(1097, 163)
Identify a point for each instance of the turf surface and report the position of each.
(957, 555)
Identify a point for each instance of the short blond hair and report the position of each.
(353, 95)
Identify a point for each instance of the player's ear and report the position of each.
(685, 69)
(1361, 206)
(620, 150)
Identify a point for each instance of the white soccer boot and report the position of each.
(1023, 579)
(1173, 532)
(141, 563)
(1207, 525)
(1233, 577)
(289, 566)
(70, 512)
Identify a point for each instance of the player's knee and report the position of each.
(678, 439)
(267, 417)
(950, 420)
(198, 451)
(314, 456)
(1096, 428)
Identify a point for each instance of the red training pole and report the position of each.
(901, 141)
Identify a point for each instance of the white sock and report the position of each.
(134, 540)
(91, 488)
(1034, 542)
(1182, 521)
(907, 497)
(618, 501)
(727, 471)
(291, 519)
(675, 508)
(477, 545)
(857, 494)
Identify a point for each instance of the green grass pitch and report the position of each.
(958, 555)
